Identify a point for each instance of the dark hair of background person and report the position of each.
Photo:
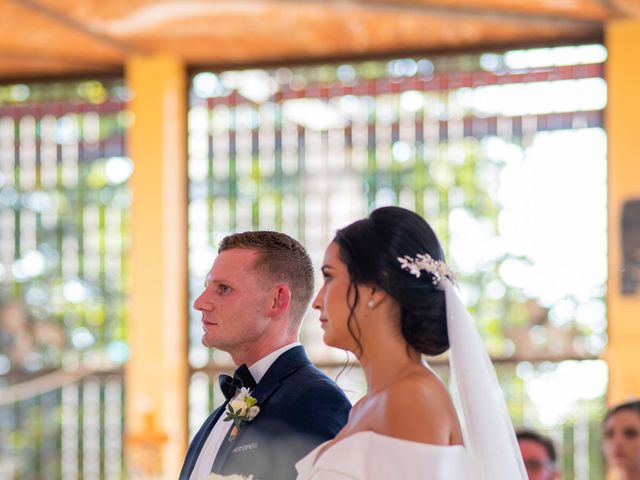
(633, 405)
(280, 259)
(370, 249)
(543, 440)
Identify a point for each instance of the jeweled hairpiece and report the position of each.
(426, 262)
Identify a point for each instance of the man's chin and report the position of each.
(208, 343)
(214, 343)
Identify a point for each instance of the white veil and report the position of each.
(487, 430)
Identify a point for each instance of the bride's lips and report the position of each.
(322, 321)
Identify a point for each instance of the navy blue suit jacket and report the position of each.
(300, 407)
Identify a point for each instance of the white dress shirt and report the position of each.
(219, 432)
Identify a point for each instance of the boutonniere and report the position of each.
(243, 408)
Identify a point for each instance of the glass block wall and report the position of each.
(63, 240)
(503, 153)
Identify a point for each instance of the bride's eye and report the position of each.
(325, 276)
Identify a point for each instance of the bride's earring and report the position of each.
(371, 303)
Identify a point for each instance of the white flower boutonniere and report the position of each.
(243, 408)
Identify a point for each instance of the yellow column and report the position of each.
(156, 374)
(622, 39)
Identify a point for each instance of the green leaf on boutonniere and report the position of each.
(243, 408)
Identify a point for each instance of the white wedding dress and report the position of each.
(491, 450)
(371, 456)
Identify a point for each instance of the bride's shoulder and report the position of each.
(419, 408)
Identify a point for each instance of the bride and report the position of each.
(388, 297)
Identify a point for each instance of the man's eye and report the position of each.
(223, 289)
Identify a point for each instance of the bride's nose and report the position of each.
(316, 304)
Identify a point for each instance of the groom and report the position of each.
(255, 297)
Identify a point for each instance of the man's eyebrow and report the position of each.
(208, 280)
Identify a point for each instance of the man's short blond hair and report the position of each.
(280, 259)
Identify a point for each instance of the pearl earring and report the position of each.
(371, 304)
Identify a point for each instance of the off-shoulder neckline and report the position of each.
(314, 455)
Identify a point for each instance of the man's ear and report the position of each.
(281, 300)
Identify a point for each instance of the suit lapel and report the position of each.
(223, 451)
(284, 366)
(199, 441)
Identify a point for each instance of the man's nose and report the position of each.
(202, 303)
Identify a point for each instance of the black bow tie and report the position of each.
(241, 378)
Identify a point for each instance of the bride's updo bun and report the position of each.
(370, 249)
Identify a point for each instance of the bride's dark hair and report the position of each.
(370, 249)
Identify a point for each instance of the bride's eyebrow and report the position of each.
(326, 267)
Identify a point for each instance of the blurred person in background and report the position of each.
(539, 455)
(621, 440)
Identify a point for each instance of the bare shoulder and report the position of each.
(419, 408)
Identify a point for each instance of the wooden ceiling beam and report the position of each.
(47, 37)
(491, 14)
(77, 26)
(626, 7)
(29, 56)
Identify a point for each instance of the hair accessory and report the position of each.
(371, 304)
(426, 262)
